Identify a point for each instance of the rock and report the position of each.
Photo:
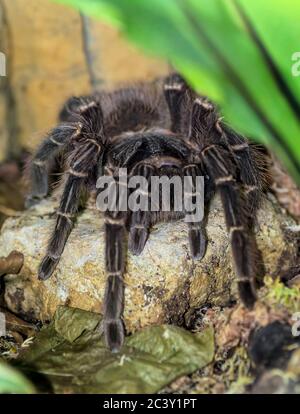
(162, 284)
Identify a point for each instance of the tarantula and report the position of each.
(159, 128)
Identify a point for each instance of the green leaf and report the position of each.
(237, 52)
(81, 363)
(12, 382)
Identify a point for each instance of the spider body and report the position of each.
(157, 129)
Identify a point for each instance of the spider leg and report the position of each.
(234, 175)
(174, 89)
(141, 220)
(75, 114)
(218, 164)
(202, 127)
(76, 105)
(196, 229)
(82, 162)
(46, 153)
(115, 256)
(252, 165)
(64, 224)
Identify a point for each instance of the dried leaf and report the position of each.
(72, 356)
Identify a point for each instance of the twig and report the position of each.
(10, 212)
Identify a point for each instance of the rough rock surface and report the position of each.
(162, 285)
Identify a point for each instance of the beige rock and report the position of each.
(161, 285)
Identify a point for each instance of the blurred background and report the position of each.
(52, 53)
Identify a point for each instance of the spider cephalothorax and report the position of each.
(152, 129)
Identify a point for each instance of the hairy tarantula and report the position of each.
(159, 128)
